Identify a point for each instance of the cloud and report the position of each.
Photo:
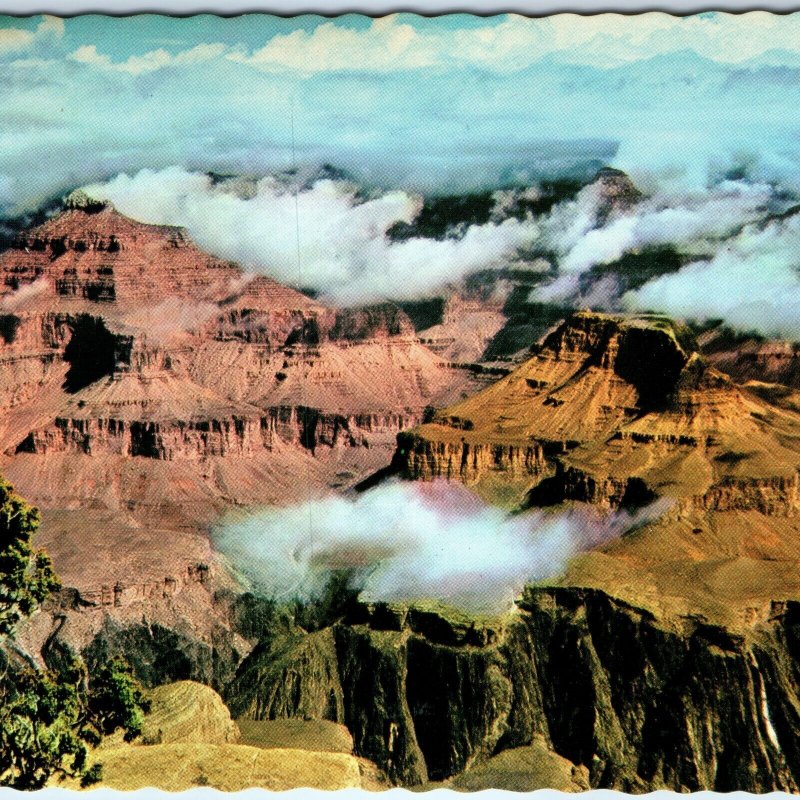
(6, 190)
(753, 283)
(399, 42)
(412, 541)
(496, 102)
(147, 62)
(675, 220)
(170, 318)
(343, 249)
(699, 221)
(15, 40)
(386, 46)
(25, 293)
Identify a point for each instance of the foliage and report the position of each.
(116, 701)
(48, 718)
(428, 414)
(254, 617)
(26, 577)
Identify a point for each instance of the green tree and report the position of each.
(26, 577)
(48, 720)
(116, 700)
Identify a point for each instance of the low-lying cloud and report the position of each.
(412, 541)
(742, 256)
(324, 235)
(664, 219)
(331, 235)
(753, 283)
(579, 240)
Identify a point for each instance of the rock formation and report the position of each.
(615, 412)
(636, 703)
(149, 388)
(752, 358)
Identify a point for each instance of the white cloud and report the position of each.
(148, 62)
(670, 220)
(702, 221)
(500, 106)
(386, 46)
(14, 40)
(604, 40)
(412, 541)
(6, 190)
(392, 43)
(753, 283)
(343, 247)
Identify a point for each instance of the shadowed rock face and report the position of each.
(639, 704)
(92, 353)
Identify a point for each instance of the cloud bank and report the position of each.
(324, 235)
(345, 253)
(700, 218)
(446, 104)
(740, 245)
(700, 111)
(753, 283)
(507, 44)
(410, 541)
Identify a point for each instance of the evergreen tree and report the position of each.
(26, 577)
(48, 720)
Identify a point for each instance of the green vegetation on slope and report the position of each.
(49, 719)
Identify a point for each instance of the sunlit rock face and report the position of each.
(615, 411)
(149, 387)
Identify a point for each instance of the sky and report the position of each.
(400, 101)
(141, 108)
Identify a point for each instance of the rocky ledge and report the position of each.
(641, 705)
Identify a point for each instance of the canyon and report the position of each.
(151, 390)
(665, 658)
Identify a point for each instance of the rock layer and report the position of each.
(123, 345)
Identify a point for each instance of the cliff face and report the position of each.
(426, 460)
(641, 705)
(120, 339)
(98, 255)
(311, 428)
(148, 388)
(615, 412)
(752, 359)
(160, 440)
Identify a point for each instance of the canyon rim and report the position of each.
(400, 402)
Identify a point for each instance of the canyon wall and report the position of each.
(641, 704)
(418, 458)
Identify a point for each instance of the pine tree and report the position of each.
(49, 720)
